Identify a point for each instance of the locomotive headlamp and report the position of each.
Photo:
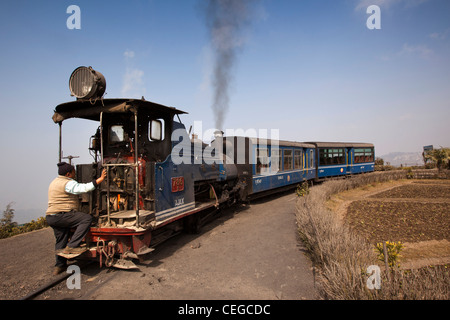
(86, 83)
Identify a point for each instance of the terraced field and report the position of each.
(416, 213)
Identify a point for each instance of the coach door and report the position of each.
(349, 160)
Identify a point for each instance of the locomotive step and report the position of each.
(127, 218)
(70, 255)
(127, 214)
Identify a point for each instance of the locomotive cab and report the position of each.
(132, 142)
(133, 136)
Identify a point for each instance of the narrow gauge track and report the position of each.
(60, 278)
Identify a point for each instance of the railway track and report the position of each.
(58, 279)
(83, 264)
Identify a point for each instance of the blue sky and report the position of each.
(311, 69)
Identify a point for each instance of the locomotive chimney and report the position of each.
(218, 134)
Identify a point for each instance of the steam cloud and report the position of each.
(226, 20)
(133, 80)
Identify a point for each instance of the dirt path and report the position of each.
(252, 253)
(26, 263)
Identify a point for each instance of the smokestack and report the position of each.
(225, 20)
(218, 134)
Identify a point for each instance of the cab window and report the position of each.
(116, 134)
(156, 130)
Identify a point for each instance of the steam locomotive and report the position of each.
(160, 181)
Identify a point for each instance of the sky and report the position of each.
(313, 70)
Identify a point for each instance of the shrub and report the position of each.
(393, 252)
(303, 189)
(12, 230)
(340, 256)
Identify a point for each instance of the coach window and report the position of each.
(287, 160)
(338, 156)
(323, 156)
(369, 155)
(311, 158)
(262, 163)
(298, 159)
(359, 155)
(364, 155)
(275, 160)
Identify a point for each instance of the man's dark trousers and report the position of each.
(61, 224)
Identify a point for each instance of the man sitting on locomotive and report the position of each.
(62, 213)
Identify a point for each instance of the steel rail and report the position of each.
(52, 283)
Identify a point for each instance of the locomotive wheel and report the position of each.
(192, 224)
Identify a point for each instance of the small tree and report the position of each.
(439, 156)
(379, 161)
(8, 216)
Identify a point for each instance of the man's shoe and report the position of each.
(70, 253)
(58, 270)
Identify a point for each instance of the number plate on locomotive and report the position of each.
(177, 184)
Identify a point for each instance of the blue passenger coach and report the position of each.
(338, 158)
(278, 164)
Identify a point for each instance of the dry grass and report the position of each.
(342, 257)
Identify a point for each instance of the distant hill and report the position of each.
(22, 216)
(403, 158)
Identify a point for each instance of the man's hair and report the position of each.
(64, 168)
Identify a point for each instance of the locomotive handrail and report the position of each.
(109, 165)
(101, 136)
(136, 162)
(108, 209)
(119, 165)
(161, 188)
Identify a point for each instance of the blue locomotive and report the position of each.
(160, 181)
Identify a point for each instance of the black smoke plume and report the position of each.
(226, 21)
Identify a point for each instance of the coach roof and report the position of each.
(281, 143)
(342, 144)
